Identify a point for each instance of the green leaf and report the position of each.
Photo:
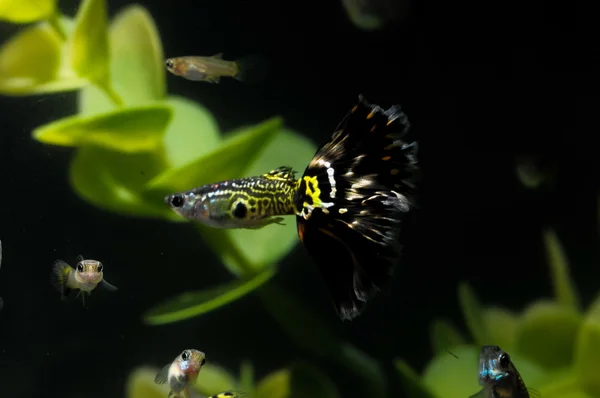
(564, 288)
(193, 304)
(444, 336)
(112, 181)
(247, 378)
(213, 379)
(127, 130)
(136, 63)
(26, 11)
(140, 384)
(89, 43)
(411, 382)
(32, 62)
(473, 314)
(228, 161)
(363, 367)
(275, 385)
(309, 381)
(548, 324)
(192, 133)
(587, 350)
(501, 325)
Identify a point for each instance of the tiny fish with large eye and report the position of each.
(181, 373)
(85, 277)
(499, 376)
(349, 204)
(250, 69)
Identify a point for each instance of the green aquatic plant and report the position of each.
(134, 143)
(555, 344)
(299, 380)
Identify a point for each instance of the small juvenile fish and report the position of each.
(211, 69)
(499, 376)
(87, 276)
(349, 203)
(181, 373)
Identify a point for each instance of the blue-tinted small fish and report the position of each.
(499, 376)
(181, 373)
(250, 69)
(85, 277)
(350, 202)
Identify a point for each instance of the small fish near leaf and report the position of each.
(444, 336)
(192, 304)
(228, 161)
(26, 11)
(32, 62)
(473, 313)
(113, 180)
(587, 351)
(127, 130)
(276, 385)
(411, 382)
(564, 288)
(548, 324)
(310, 381)
(213, 379)
(135, 57)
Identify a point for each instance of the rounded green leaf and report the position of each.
(411, 382)
(140, 384)
(112, 181)
(214, 379)
(276, 385)
(587, 350)
(444, 336)
(192, 133)
(501, 325)
(89, 42)
(230, 160)
(192, 304)
(564, 288)
(548, 324)
(136, 63)
(473, 314)
(308, 381)
(26, 11)
(127, 130)
(31, 62)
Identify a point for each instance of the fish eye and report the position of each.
(176, 200)
(100, 266)
(185, 355)
(80, 267)
(169, 63)
(203, 362)
(504, 360)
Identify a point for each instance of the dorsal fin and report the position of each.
(218, 56)
(283, 173)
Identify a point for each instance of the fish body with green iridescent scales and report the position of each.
(349, 203)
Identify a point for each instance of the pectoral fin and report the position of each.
(162, 376)
(107, 286)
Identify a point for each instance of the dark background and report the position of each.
(481, 83)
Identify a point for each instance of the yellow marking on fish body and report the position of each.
(370, 115)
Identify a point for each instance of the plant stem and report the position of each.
(112, 94)
(54, 22)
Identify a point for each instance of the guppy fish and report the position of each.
(181, 373)
(499, 376)
(349, 203)
(211, 69)
(85, 277)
